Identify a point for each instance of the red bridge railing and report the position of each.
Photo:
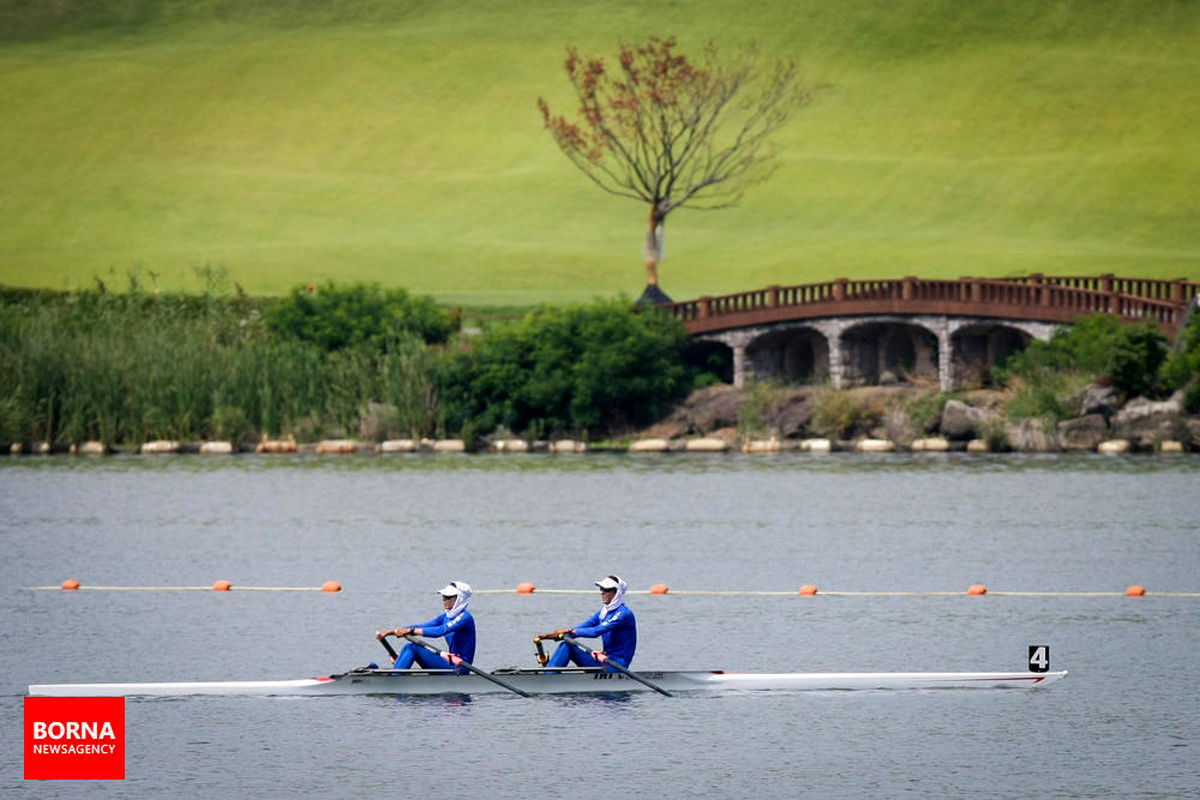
(1033, 297)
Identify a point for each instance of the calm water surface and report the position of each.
(393, 529)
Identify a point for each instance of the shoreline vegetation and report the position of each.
(358, 369)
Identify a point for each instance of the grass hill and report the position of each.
(290, 141)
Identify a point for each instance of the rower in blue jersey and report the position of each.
(456, 624)
(614, 623)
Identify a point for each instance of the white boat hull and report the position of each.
(539, 681)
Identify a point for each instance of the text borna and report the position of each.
(73, 730)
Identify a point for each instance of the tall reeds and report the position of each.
(124, 369)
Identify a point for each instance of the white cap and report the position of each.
(449, 590)
(609, 582)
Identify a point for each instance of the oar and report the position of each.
(604, 659)
(458, 662)
(388, 647)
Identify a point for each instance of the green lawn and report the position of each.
(401, 143)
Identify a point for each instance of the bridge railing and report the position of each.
(1057, 298)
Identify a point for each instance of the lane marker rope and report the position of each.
(685, 592)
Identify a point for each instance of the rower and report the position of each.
(455, 624)
(614, 623)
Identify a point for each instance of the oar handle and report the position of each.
(604, 659)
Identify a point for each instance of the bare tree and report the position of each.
(671, 132)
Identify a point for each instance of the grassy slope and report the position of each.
(401, 143)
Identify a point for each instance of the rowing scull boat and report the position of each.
(543, 681)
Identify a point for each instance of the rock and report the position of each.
(671, 428)
(1192, 426)
(706, 445)
(1145, 422)
(1084, 433)
(287, 445)
(1105, 400)
(1029, 436)
(510, 446)
(795, 415)
(336, 447)
(704, 411)
(961, 421)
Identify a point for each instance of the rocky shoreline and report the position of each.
(715, 420)
(894, 420)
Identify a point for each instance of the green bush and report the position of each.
(338, 318)
(1099, 346)
(1181, 370)
(595, 368)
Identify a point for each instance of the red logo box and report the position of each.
(74, 738)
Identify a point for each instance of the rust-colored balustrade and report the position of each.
(1033, 297)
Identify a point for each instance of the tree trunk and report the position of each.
(653, 247)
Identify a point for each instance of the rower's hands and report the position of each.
(397, 632)
(558, 634)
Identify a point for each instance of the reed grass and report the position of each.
(129, 368)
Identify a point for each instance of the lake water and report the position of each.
(392, 529)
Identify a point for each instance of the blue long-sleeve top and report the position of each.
(459, 633)
(618, 631)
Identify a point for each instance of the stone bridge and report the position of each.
(855, 333)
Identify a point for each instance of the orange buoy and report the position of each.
(70, 585)
(525, 588)
(659, 588)
(331, 586)
(1132, 591)
(808, 588)
(977, 588)
(222, 586)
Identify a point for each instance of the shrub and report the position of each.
(752, 416)
(837, 412)
(336, 318)
(1181, 370)
(599, 367)
(1098, 346)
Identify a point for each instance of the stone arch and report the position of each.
(981, 346)
(888, 351)
(792, 354)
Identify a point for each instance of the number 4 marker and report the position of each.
(1039, 658)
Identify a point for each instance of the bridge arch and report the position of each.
(887, 351)
(791, 353)
(978, 347)
(862, 350)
